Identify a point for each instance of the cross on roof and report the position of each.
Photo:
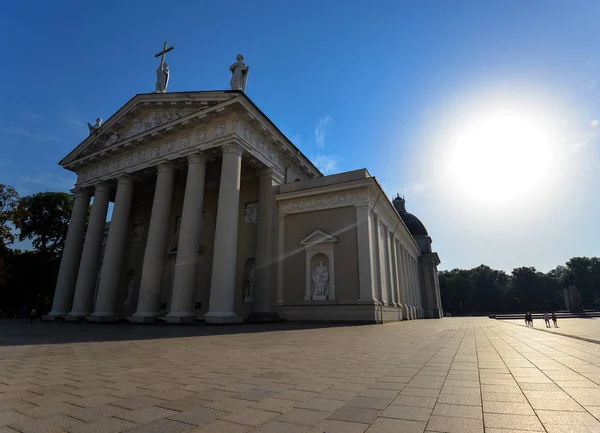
(163, 53)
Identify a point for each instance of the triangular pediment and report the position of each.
(146, 114)
(319, 237)
(187, 120)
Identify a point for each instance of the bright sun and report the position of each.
(501, 156)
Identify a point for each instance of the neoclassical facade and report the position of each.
(217, 216)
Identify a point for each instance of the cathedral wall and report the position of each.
(339, 222)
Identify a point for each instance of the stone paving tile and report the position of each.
(355, 414)
(280, 427)
(369, 402)
(525, 422)
(104, 425)
(390, 425)
(163, 426)
(302, 416)
(407, 412)
(335, 426)
(249, 416)
(198, 416)
(52, 424)
(507, 407)
(446, 424)
(460, 411)
(219, 426)
(322, 404)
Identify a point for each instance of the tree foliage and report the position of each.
(28, 278)
(44, 218)
(485, 290)
(9, 199)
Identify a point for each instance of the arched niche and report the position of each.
(319, 253)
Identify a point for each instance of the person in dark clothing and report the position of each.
(554, 319)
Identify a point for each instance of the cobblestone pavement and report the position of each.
(458, 375)
(579, 328)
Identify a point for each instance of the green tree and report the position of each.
(9, 199)
(586, 275)
(44, 219)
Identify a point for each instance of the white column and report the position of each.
(90, 257)
(280, 257)
(264, 241)
(156, 245)
(184, 282)
(222, 287)
(390, 268)
(114, 253)
(419, 291)
(394, 266)
(414, 285)
(366, 271)
(69, 262)
(408, 279)
(377, 259)
(401, 297)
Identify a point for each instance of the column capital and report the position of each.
(102, 186)
(165, 167)
(265, 173)
(126, 179)
(80, 192)
(196, 158)
(233, 148)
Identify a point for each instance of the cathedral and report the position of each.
(218, 217)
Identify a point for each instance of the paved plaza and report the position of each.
(458, 375)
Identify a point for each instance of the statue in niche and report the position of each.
(320, 278)
(93, 128)
(251, 213)
(239, 74)
(130, 287)
(249, 286)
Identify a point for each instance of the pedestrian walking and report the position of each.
(554, 319)
(547, 319)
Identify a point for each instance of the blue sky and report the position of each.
(383, 85)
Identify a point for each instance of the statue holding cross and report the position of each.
(162, 73)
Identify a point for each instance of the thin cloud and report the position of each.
(415, 189)
(327, 164)
(51, 181)
(31, 115)
(79, 127)
(321, 130)
(35, 135)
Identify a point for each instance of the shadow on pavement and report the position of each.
(21, 332)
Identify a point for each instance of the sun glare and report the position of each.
(501, 156)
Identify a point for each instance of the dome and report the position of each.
(414, 224)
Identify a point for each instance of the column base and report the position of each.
(264, 318)
(143, 318)
(180, 318)
(75, 317)
(54, 317)
(222, 318)
(367, 302)
(109, 317)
